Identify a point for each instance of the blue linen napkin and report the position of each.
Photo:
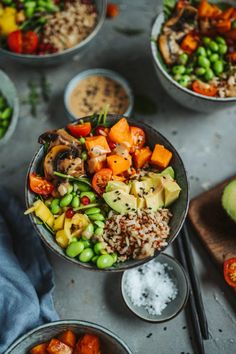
(26, 277)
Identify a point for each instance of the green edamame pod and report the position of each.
(96, 217)
(66, 200)
(92, 211)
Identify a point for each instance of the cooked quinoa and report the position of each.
(67, 28)
(137, 234)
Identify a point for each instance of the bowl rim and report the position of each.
(111, 270)
(69, 322)
(154, 50)
(16, 109)
(68, 51)
(180, 309)
(113, 75)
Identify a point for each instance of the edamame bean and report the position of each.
(75, 202)
(84, 155)
(223, 49)
(213, 46)
(88, 231)
(70, 189)
(99, 231)
(183, 58)
(209, 53)
(115, 257)
(96, 217)
(86, 243)
(177, 77)
(184, 81)
(234, 24)
(201, 51)
(86, 255)
(90, 195)
(48, 202)
(214, 57)
(74, 249)
(220, 40)
(66, 200)
(99, 223)
(94, 259)
(178, 69)
(73, 239)
(82, 187)
(206, 40)
(6, 114)
(92, 211)
(188, 70)
(203, 62)
(209, 74)
(218, 67)
(200, 71)
(82, 140)
(98, 247)
(55, 209)
(105, 261)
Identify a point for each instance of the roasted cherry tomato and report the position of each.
(80, 130)
(230, 271)
(23, 42)
(88, 344)
(40, 185)
(70, 213)
(204, 89)
(138, 138)
(85, 200)
(100, 180)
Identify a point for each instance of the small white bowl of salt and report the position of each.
(156, 291)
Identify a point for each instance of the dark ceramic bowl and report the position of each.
(59, 58)
(178, 275)
(110, 342)
(179, 208)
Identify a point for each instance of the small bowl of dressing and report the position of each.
(156, 291)
(94, 90)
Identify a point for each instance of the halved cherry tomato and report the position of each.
(138, 138)
(80, 130)
(230, 271)
(204, 88)
(40, 185)
(100, 180)
(23, 42)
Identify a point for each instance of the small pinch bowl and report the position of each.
(179, 208)
(64, 56)
(9, 92)
(180, 279)
(97, 72)
(182, 95)
(110, 342)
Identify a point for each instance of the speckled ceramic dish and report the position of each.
(9, 91)
(110, 342)
(98, 72)
(62, 57)
(179, 208)
(182, 95)
(179, 277)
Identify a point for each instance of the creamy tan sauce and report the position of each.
(94, 93)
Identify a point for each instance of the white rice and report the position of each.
(151, 287)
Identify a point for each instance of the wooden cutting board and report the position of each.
(216, 230)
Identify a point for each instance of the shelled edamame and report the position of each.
(5, 115)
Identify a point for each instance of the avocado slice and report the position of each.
(120, 201)
(169, 171)
(171, 191)
(155, 200)
(138, 188)
(113, 185)
(229, 199)
(153, 180)
(141, 203)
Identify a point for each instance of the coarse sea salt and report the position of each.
(150, 286)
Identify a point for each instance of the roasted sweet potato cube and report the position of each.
(69, 338)
(88, 344)
(39, 349)
(57, 347)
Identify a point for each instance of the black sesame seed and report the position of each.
(165, 328)
(220, 330)
(149, 335)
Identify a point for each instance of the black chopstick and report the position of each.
(195, 319)
(195, 282)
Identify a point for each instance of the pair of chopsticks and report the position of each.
(199, 320)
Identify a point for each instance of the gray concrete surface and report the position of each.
(207, 145)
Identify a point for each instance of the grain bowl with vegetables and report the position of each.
(194, 47)
(106, 192)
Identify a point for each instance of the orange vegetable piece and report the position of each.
(88, 344)
(112, 10)
(232, 57)
(207, 10)
(57, 347)
(68, 338)
(97, 145)
(119, 178)
(190, 43)
(161, 156)
(142, 156)
(120, 133)
(95, 164)
(228, 14)
(39, 349)
(231, 34)
(118, 164)
(223, 26)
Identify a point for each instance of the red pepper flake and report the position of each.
(112, 10)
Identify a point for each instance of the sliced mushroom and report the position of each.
(186, 14)
(58, 137)
(64, 159)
